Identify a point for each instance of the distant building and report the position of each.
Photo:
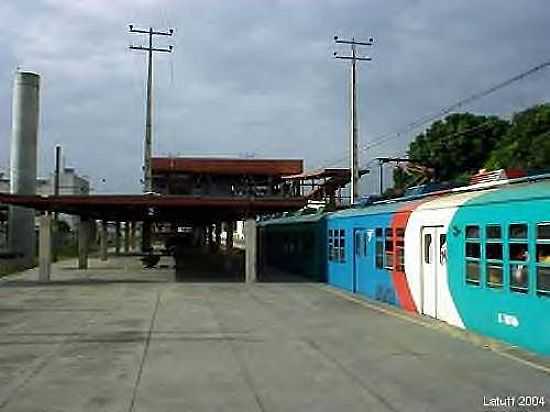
(70, 183)
(223, 176)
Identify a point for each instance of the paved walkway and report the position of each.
(118, 338)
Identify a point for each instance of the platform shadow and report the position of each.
(22, 283)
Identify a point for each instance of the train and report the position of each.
(295, 244)
(476, 257)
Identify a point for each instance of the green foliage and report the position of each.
(463, 143)
(458, 144)
(526, 145)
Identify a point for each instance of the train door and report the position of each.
(433, 268)
(360, 268)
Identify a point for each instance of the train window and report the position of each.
(472, 272)
(519, 278)
(330, 245)
(427, 248)
(518, 252)
(400, 250)
(365, 242)
(389, 261)
(342, 246)
(379, 249)
(473, 250)
(473, 255)
(472, 232)
(389, 240)
(543, 259)
(493, 251)
(443, 248)
(494, 275)
(358, 243)
(543, 280)
(494, 255)
(518, 255)
(388, 249)
(379, 254)
(518, 231)
(543, 231)
(543, 253)
(493, 232)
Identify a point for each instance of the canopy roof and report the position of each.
(156, 207)
(226, 166)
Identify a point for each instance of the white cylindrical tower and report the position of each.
(23, 161)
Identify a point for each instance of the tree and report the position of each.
(455, 147)
(526, 144)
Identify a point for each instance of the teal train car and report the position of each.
(295, 244)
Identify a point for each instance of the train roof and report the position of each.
(526, 188)
(287, 220)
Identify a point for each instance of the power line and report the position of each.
(446, 138)
(385, 137)
(465, 101)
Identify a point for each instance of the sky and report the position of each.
(257, 77)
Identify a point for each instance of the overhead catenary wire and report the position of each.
(422, 120)
(445, 139)
(464, 102)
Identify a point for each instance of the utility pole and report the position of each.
(354, 127)
(147, 172)
(56, 235)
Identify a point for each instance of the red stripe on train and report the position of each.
(399, 277)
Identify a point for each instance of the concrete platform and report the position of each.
(120, 338)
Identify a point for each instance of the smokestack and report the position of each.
(23, 161)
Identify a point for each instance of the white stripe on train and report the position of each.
(434, 213)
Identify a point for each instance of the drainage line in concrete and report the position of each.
(144, 356)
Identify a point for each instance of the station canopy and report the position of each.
(165, 208)
(226, 166)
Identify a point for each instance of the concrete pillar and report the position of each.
(146, 237)
(218, 234)
(23, 158)
(56, 240)
(117, 238)
(133, 236)
(250, 250)
(45, 248)
(103, 240)
(127, 237)
(229, 228)
(83, 242)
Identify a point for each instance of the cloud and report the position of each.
(251, 76)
